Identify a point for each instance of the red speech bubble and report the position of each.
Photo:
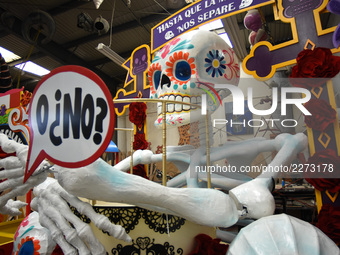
(71, 119)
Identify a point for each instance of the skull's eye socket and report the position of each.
(182, 71)
(156, 79)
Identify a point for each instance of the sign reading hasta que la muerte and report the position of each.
(197, 14)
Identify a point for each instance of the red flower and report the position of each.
(25, 98)
(329, 222)
(204, 244)
(326, 158)
(140, 143)
(317, 63)
(36, 245)
(140, 171)
(322, 114)
(137, 114)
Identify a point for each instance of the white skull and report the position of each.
(187, 67)
(245, 3)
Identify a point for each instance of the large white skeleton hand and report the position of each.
(52, 201)
(12, 176)
(255, 196)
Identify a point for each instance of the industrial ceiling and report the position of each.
(74, 43)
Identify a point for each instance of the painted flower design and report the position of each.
(152, 69)
(23, 224)
(25, 98)
(233, 68)
(177, 57)
(166, 48)
(215, 63)
(29, 241)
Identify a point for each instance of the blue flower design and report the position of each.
(215, 63)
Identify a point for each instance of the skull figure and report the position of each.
(140, 61)
(187, 67)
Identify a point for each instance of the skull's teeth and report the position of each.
(186, 100)
(171, 108)
(178, 107)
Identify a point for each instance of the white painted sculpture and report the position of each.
(193, 61)
(30, 233)
(282, 234)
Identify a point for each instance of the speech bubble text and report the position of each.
(71, 119)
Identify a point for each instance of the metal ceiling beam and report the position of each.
(3, 33)
(33, 57)
(56, 51)
(66, 7)
(117, 29)
(104, 60)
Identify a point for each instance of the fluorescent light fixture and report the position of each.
(226, 38)
(213, 25)
(9, 56)
(31, 67)
(105, 50)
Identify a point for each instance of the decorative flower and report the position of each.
(139, 142)
(215, 63)
(204, 244)
(29, 243)
(166, 49)
(317, 63)
(25, 98)
(137, 114)
(176, 57)
(140, 171)
(322, 114)
(233, 68)
(329, 221)
(325, 158)
(23, 224)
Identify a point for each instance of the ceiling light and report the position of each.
(105, 50)
(9, 56)
(225, 37)
(32, 68)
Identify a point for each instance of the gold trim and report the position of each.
(152, 100)
(332, 102)
(129, 69)
(288, 43)
(317, 19)
(164, 179)
(325, 145)
(132, 132)
(207, 21)
(332, 198)
(311, 141)
(317, 95)
(318, 199)
(311, 43)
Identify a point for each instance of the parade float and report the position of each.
(188, 77)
